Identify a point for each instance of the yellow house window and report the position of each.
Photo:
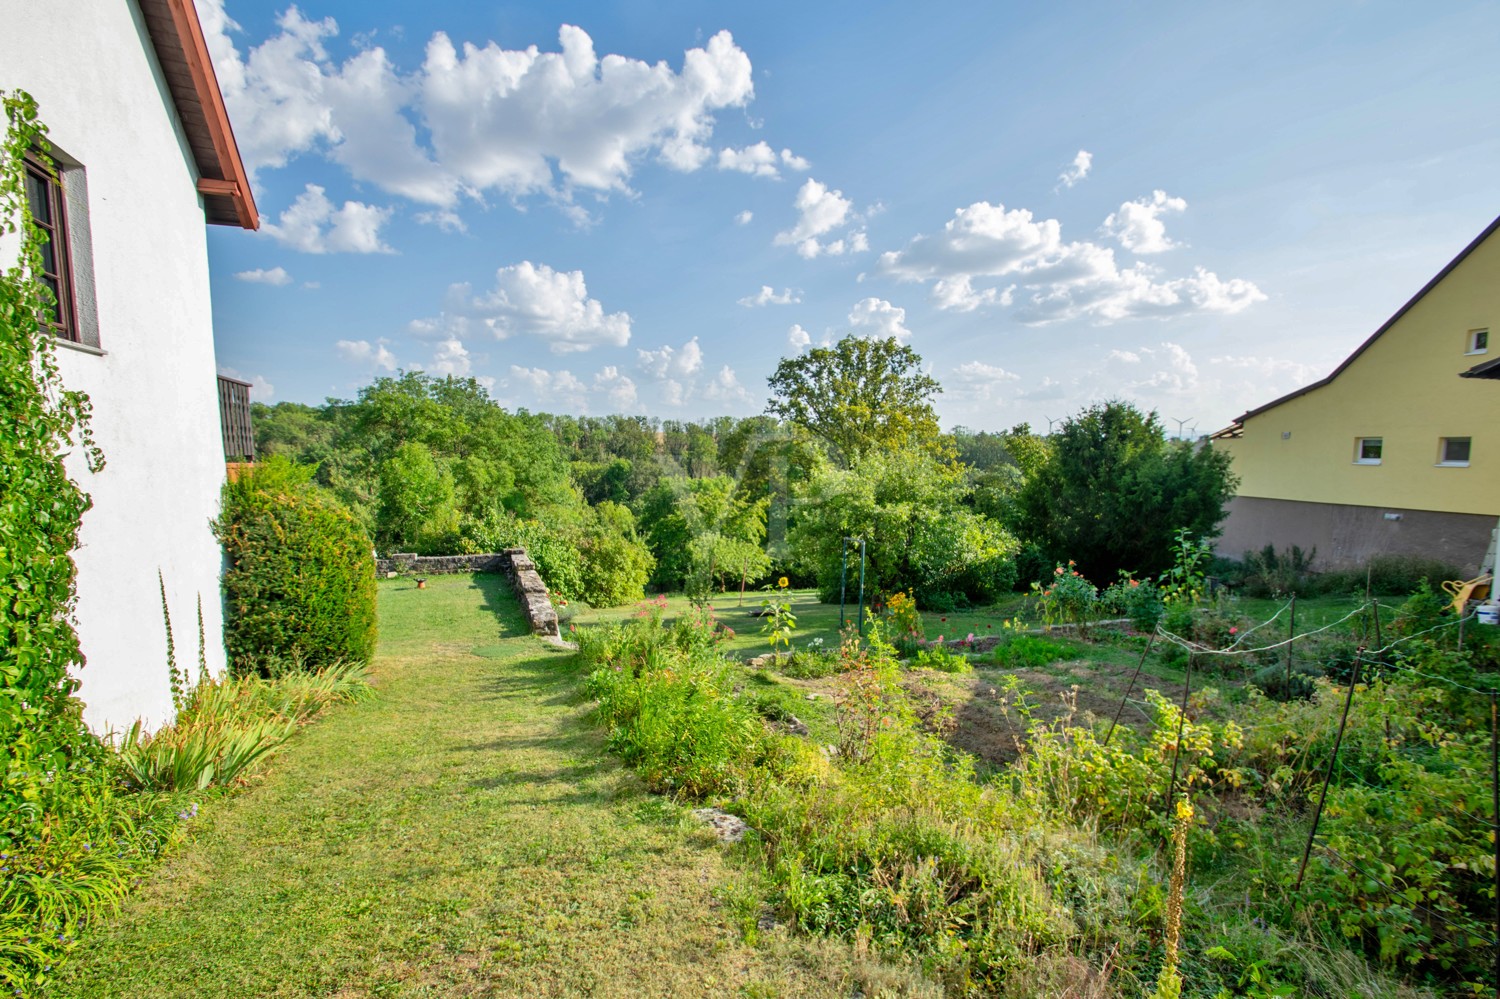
(1367, 450)
(1479, 341)
(1453, 452)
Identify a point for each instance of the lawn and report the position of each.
(464, 833)
(815, 620)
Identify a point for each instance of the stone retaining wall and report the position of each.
(513, 562)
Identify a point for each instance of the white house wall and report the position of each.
(90, 66)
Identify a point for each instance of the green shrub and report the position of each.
(1389, 575)
(1026, 652)
(938, 658)
(301, 575)
(1138, 599)
(615, 568)
(1271, 573)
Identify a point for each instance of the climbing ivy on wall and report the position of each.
(40, 506)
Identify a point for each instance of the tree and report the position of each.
(859, 396)
(1113, 491)
(908, 506)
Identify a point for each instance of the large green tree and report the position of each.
(919, 535)
(1113, 490)
(859, 396)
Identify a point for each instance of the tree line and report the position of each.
(849, 447)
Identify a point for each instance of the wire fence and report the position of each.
(1380, 660)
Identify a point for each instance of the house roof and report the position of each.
(182, 51)
(1437, 279)
(1489, 369)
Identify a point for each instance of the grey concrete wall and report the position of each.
(1347, 535)
(531, 591)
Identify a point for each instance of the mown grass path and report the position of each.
(463, 834)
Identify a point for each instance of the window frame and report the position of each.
(64, 324)
(1472, 344)
(1444, 461)
(1359, 450)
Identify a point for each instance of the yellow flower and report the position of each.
(782, 582)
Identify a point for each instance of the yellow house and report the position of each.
(1393, 452)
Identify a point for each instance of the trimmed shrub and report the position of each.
(615, 568)
(301, 575)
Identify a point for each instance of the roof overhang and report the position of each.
(1489, 369)
(177, 36)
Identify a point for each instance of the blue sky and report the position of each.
(1192, 207)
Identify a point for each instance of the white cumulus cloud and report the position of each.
(450, 357)
(670, 362)
(531, 300)
(313, 224)
(275, 276)
(1138, 225)
(365, 353)
(875, 317)
(989, 255)
(744, 217)
(798, 338)
(1077, 170)
(770, 296)
(980, 380)
(617, 388)
(725, 387)
(760, 160)
(560, 389)
(820, 210)
(472, 118)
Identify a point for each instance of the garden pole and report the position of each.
(843, 582)
(1328, 775)
(1187, 683)
(861, 587)
(1291, 642)
(1128, 688)
(1495, 804)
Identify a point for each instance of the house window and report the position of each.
(1367, 450)
(48, 204)
(1454, 451)
(1479, 341)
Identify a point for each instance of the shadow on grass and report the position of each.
(500, 600)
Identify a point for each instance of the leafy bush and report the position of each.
(938, 658)
(1138, 599)
(1269, 573)
(1026, 652)
(1068, 598)
(615, 568)
(301, 575)
(1389, 575)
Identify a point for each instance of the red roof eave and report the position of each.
(177, 36)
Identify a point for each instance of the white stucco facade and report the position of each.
(91, 67)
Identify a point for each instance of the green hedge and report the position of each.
(301, 574)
